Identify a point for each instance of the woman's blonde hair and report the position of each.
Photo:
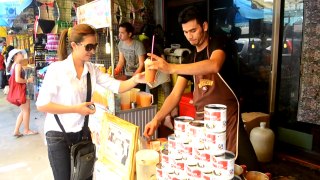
(74, 34)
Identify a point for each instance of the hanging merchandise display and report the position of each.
(65, 7)
(45, 53)
(52, 42)
(47, 16)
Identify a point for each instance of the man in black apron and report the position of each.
(214, 76)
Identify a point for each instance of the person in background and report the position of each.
(2, 71)
(214, 74)
(131, 52)
(64, 90)
(7, 61)
(16, 56)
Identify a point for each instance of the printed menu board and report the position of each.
(118, 144)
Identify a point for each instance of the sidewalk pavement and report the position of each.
(23, 158)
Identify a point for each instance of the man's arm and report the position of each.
(120, 63)
(212, 65)
(169, 104)
(141, 64)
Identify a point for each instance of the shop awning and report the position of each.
(249, 10)
(10, 9)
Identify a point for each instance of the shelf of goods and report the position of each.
(45, 53)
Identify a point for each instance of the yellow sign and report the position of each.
(118, 144)
(3, 31)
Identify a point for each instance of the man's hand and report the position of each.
(117, 71)
(160, 64)
(150, 128)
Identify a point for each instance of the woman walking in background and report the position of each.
(2, 71)
(15, 58)
(8, 62)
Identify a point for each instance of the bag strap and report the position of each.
(85, 127)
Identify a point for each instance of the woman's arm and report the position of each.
(132, 82)
(54, 108)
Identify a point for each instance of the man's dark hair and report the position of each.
(191, 13)
(129, 28)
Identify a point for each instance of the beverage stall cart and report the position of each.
(131, 110)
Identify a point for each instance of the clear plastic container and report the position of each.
(125, 100)
(146, 162)
(133, 94)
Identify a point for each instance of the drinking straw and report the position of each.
(152, 46)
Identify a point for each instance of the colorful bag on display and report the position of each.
(17, 91)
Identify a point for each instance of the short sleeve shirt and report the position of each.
(131, 55)
(229, 69)
(61, 86)
(214, 44)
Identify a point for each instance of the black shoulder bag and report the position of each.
(83, 153)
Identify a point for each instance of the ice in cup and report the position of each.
(150, 74)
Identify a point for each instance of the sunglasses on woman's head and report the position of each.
(89, 47)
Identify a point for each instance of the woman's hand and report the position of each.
(139, 78)
(84, 109)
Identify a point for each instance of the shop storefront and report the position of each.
(270, 47)
(275, 58)
(277, 51)
(276, 62)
